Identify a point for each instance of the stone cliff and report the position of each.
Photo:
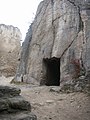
(56, 50)
(9, 49)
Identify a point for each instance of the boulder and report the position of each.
(13, 106)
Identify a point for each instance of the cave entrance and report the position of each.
(52, 67)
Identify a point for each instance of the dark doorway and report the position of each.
(52, 66)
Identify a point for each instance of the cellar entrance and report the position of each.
(52, 66)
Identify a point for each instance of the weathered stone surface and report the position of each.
(13, 106)
(24, 55)
(19, 103)
(6, 91)
(9, 49)
(60, 32)
(19, 116)
(3, 105)
(55, 89)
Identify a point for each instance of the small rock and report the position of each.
(49, 101)
(55, 89)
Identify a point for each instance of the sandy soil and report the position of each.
(53, 105)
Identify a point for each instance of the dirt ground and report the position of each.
(49, 104)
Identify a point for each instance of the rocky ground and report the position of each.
(48, 103)
(12, 104)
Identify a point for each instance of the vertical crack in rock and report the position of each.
(83, 71)
(52, 2)
(69, 45)
(53, 27)
(72, 2)
(80, 27)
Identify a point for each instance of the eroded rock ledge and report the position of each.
(13, 106)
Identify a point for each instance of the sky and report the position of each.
(19, 13)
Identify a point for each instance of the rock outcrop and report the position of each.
(57, 46)
(13, 106)
(9, 49)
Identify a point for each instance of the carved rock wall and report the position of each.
(9, 49)
(61, 29)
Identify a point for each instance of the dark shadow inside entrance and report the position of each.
(52, 66)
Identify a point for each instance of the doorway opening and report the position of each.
(52, 75)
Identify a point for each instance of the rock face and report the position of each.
(13, 106)
(9, 49)
(57, 46)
